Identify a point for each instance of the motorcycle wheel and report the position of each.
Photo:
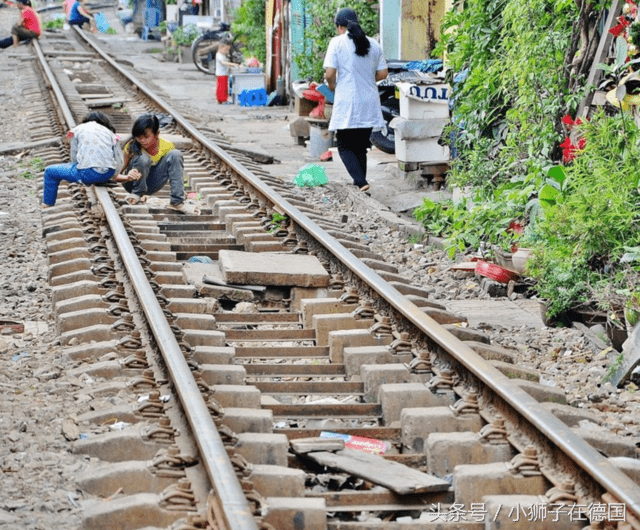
(203, 53)
(385, 140)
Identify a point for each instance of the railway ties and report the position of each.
(341, 357)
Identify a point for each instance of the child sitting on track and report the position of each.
(95, 158)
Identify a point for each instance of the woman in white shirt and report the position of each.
(353, 64)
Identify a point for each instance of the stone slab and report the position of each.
(267, 268)
(498, 312)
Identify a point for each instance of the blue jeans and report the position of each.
(170, 167)
(53, 175)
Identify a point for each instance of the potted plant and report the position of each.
(183, 38)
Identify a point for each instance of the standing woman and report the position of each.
(353, 64)
(29, 26)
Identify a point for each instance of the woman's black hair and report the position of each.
(348, 18)
(359, 38)
(144, 122)
(100, 119)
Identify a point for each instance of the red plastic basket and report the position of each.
(495, 272)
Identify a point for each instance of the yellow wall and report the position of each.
(421, 27)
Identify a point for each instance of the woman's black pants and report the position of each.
(352, 148)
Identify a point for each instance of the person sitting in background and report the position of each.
(157, 162)
(29, 26)
(95, 158)
(79, 16)
(223, 65)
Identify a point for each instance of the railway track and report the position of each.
(212, 383)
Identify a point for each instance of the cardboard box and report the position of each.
(302, 107)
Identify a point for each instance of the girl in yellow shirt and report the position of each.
(156, 160)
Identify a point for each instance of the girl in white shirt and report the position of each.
(353, 64)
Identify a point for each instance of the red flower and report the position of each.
(616, 31)
(567, 120)
(581, 143)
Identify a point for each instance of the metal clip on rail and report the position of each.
(495, 432)
(525, 464)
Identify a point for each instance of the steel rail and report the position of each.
(235, 507)
(583, 454)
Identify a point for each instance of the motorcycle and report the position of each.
(204, 48)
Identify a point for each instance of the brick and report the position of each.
(323, 306)
(323, 324)
(418, 423)
(446, 450)
(237, 396)
(352, 338)
(270, 481)
(395, 397)
(296, 513)
(261, 448)
(472, 482)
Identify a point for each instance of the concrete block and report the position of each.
(522, 512)
(248, 419)
(443, 317)
(513, 371)
(128, 513)
(298, 294)
(260, 448)
(117, 446)
(94, 350)
(214, 354)
(82, 319)
(204, 337)
(195, 321)
(572, 416)
(323, 324)
(64, 235)
(193, 305)
(471, 483)
(373, 376)
(271, 247)
(467, 334)
(542, 393)
(395, 397)
(492, 352)
(237, 396)
(339, 340)
(223, 374)
(273, 269)
(153, 245)
(178, 291)
(296, 513)
(323, 306)
(81, 303)
(69, 253)
(72, 277)
(446, 450)
(418, 423)
(629, 466)
(270, 481)
(354, 358)
(609, 443)
(71, 266)
(132, 476)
